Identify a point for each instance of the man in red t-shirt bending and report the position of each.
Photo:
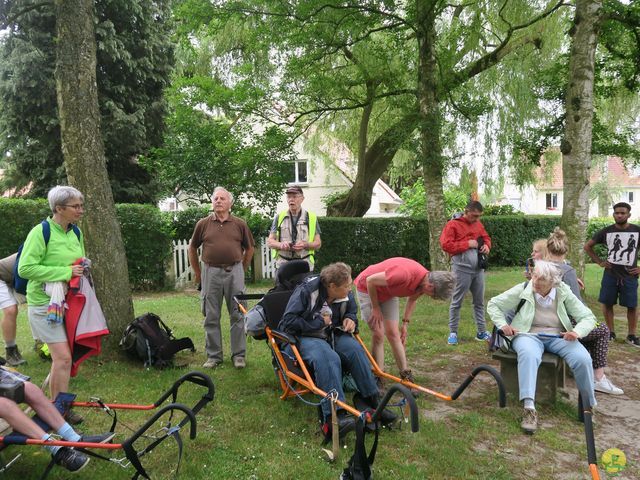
(379, 287)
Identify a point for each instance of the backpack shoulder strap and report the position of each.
(522, 300)
(46, 231)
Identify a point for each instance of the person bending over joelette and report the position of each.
(321, 310)
(548, 304)
(69, 458)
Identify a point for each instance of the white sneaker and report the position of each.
(605, 386)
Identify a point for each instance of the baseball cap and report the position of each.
(294, 189)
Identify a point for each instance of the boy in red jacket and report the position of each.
(464, 239)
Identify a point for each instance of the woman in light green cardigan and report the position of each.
(542, 325)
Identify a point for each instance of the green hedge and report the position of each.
(146, 238)
(182, 223)
(359, 242)
(362, 242)
(147, 242)
(512, 236)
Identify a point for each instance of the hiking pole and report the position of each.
(587, 418)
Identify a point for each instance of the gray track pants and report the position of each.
(219, 284)
(466, 281)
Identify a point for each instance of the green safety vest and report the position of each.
(312, 221)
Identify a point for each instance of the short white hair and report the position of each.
(217, 189)
(61, 195)
(548, 271)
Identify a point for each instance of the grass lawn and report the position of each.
(248, 433)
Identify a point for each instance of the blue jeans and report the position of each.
(530, 349)
(328, 365)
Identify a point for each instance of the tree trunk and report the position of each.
(83, 151)
(576, 145)
(430, 131)
(371, 166)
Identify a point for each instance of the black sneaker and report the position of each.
(346, 423)
(99, 438)
(71, 459)
(14, 358)
(633, 340)
(612, 335)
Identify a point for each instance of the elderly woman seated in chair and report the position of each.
(322, 314)
(543, 324)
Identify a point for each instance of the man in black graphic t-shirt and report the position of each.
(620, 277)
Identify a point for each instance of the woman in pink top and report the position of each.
(379, 287)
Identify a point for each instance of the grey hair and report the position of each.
(337, 273)
(217, 189)
(61, 195)
(548, 271)
(443, 284)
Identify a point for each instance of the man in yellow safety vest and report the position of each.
(295, 233)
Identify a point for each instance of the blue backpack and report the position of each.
(19, 283)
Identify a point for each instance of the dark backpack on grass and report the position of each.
(147, 338)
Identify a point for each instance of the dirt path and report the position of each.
(617, 418)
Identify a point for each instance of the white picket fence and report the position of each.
(182, 272)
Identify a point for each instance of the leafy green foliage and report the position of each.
(147, 244)
(18, 218)
(201, 152)
(182, 223)
(146, 237)
(134, 56)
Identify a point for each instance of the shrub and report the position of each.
(181, 223)
(18, 218)
(147, 242)
(362, 242)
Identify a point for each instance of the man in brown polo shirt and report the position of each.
(227, 248)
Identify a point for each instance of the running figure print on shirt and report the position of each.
(622, 247)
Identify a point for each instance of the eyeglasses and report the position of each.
(78, 206)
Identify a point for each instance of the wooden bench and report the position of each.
(551, 375)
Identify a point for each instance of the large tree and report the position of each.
(135, 57)
(576, 145)
(371, 73)
(83, 149)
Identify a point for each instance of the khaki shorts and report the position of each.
(390, 308)
(42, 329)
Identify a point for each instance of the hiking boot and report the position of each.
(211, 363)
(604, 385)
(633, 340)
(529, 421)
(612, 336)
(239, 362)
(98, 438)
(407, 375)
(483, 337)
(71, 459)
(14, 358)
(453, 339)
(73, 418)
(387, 417)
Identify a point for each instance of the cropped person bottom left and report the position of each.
(530, 349)
(328, 366)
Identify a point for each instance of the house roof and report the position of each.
(618, 175)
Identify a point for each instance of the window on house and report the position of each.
(298, 172)
(630, 197)
(552, 201)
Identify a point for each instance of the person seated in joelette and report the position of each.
(320, 308)
(69, 458)
(543, 325)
